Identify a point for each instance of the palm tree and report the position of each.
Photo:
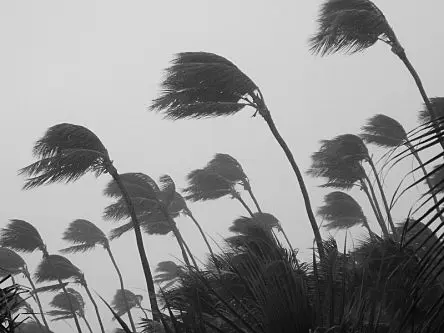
(55, 266)
(341, 211)
(201, 84)
(22, 236)
(386, 132)
(340, 161)
(65, 153)
(125, 296)
(13, 264)
(355, 25)
(153, 206)
(86, 236)
(168, 272)
(62, 310)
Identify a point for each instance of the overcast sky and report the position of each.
(99, 64)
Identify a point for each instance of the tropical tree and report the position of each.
(13, 264)
(121, 297)
(62, 310)
(201, 84)
(56, 267)
(22, 236)
(341, 211)
(354, 25)
(67, 152)
(86, 236)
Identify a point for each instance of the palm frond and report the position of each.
(244, 224)
(61, 301)
(66, 152)
(167, 189)
(206, 185)
(438, 109)
(341, 211)
(228, 167)
(138, 185)
(55, 266)
(151, 223)
(10, 262)
(167, 271)
(437, 179)
(118, 302)
(85, 236)
(21, 236)
(384, 131)
(50, 288)
(349, 26)
(201, 84)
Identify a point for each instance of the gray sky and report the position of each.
(99, 64)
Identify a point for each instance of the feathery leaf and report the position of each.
(21, 236)
(206, 185)
(55, 266)
(384, 131)
(10, 262)
(85, 235)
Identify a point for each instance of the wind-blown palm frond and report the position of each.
(341, 211)
(437, 179)
(62, 304)
(168, 189)
(205, 185)
(56, 267)
(438, 108)
(138, 185)
(152, 224)
(10, 262)
(66, 152)
(201, 84)
(384, 131)
(350, 26)
(228, 167)
(118, 303)
(85, 236)
(167, 272)
(243, 225)
(21, 236)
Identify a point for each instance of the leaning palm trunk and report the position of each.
(370, 193)
(96, 308)
(122, 287)
(37, 298)
(202, 233)
(87, 324)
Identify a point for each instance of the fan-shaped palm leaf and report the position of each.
(118, 303)
(85, 236)
(341, 211)
(200, 84)
(384, 131)
(21, 236)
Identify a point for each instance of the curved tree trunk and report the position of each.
(243, 203)
(139, 241)
(87, 324)
(183, 247)
(375, 207)
(96, 308)
(384, 199)
(317, 234)
(122, 287)
(286, 238)
(37, 298)
(190, 215)
(247, 187)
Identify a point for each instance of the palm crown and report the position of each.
(21, 236)
(63, 309)
(85, 236)
(119, 304)
(384, 131)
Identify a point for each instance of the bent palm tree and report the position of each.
(21, 236)
(56, 267)
(85, 236)
(67, 152)
(12, 263)
(386, 132)
(341, 211)
(61, 303)
(201, 84)
(355, 25)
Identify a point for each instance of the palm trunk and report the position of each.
(367, 226)
(139, 241)
(96, 308)
(87, 324)
(71, 307)
(122, 287)
(184, 247)
(247, 187)
(286, 238)
(37, 298)
(317, 234)
(374, 204)
(384, 199)
(430, 185)
(190, 215)
(243, 203)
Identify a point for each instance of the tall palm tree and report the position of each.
(125, 296)
(55, 266)
(12, 263)
(341, 211)
(201, 84)
(355, 25)
(86, 236)
(386, 132)
(152, 206)
(65, 153)
(62, 310)
(22, 236)
(349, 149)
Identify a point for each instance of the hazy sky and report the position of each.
(99, 64)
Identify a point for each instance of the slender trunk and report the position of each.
(384, 199)
(37, 298)
(122, 287)
(143, 310)
(38, 322)
(317, 234)
(243, 203)
(430, 185)
(87, 324)
(247, 186)
(400, 52)
(375, 207)
(367, 226)
(71, 307)
(190, 215)
(139, 241)
(96, 308)
(184, 247)
(286, 238)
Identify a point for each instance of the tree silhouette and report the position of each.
(67, 152)
(86, 236)
(201, 84)
(125, 296)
